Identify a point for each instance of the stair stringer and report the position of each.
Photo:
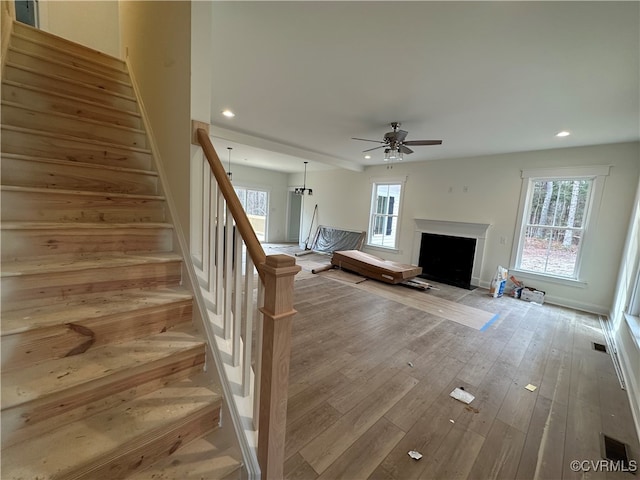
(248, 449)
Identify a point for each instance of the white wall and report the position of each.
(94, 24)
(493, 185)
(156, 38)
(628, 351)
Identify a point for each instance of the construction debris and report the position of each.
(460, 394)
(415, 455)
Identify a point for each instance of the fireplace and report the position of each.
(447, 259)
(453, 252)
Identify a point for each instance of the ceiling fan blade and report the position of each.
(374, 148)
(404, 149)
(401, 135)
(423, 142)
(366, 140)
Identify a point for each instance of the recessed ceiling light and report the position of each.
(563, 133)
(367, 157)
(228, 113)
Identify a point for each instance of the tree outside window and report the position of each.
(554, 226)
(256, 206)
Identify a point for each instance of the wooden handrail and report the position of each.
(254, 248)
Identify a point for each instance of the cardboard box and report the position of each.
(530, 295)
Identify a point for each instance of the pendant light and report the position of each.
(304, 189)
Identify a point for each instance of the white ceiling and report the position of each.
(485, 77)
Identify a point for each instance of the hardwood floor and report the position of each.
(370, 380)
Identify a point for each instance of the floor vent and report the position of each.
(600, 347)
(614, 450)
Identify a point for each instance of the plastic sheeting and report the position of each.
(329, 239)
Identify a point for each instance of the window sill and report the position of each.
(571, 282)
(633, 322)
(380, 248)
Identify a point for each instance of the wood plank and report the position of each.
(78, 58)
(455, 312)
(19, 170)
(57, 205)
(30, 284)
(455, 457)
(500, 453)
(67, 86)
(304, 429)
(517, 407)
(362, 457)
(49, 39)
(430, 389)
(53, 67)
(542, 454)
(48, 100)
(131, 437)
(426, 434)
(41, 340)
(201, 458)
(42, 144)
(61, 239)
(72, 125)
(329, 445)
(297, 469)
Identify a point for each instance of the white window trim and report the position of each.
(387, 181)
(597, 173)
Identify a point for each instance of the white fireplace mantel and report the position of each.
(453, 229)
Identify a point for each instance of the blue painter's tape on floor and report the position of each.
(488, 324)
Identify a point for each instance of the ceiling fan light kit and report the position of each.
(395, 145)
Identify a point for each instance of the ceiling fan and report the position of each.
(395, 144)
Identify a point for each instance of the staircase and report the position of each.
(102, 367)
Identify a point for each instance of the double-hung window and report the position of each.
(385, 214)
(556, 215)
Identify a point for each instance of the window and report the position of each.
(555, 221)
(256, 206)
(385, 212)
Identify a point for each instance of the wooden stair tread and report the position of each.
(80, 226)
(75, 55)
(33, 71)
(83, 446)
(60, 191)
(69, 66)
(200, 459)
(55, 264)
(94, 367)
(88, 121)
(89, 306)
(71, 163)
(32, 33)
(58, 263)
(102, 144)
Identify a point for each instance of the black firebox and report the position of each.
(447, 259)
